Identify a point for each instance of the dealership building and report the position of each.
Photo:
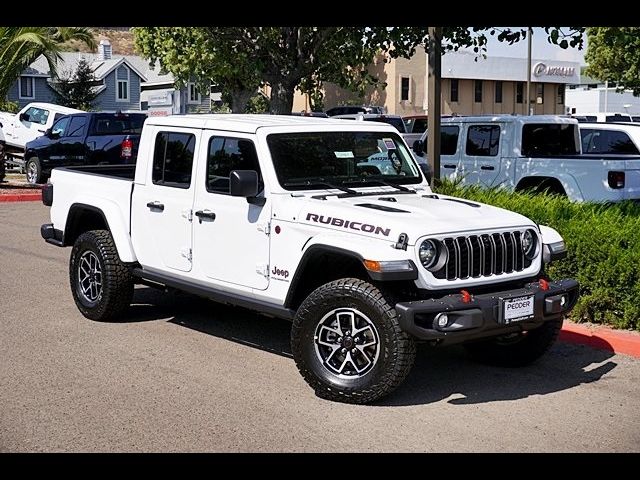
(471, 85)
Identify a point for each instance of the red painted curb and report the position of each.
(603, 338)
(24, 197)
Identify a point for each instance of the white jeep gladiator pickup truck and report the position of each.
(538, 152)
(28, 124)
(287, 216)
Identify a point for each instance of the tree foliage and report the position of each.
(286, 58)
(20, 46)
(613, 54)
(76, 90)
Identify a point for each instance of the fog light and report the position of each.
(442, 319)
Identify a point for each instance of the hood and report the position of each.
(387, 215)
(6, 117)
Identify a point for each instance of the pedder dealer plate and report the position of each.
(517, 309)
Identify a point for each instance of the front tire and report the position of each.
(516, 350)
(34, 171)
(102, 286)
(347, 342)
(3, 166)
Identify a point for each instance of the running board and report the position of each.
(214, 294)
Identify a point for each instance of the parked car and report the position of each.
(352, 109)
(310, 114)
(28, 124)
(84, 139)
(539, 152)
(610, 138)
(272, 213)
(606, 117)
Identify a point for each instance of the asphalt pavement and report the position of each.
(181, 373)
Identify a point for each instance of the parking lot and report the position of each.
(185, 374)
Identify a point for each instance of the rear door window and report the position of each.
(173, 159)
(76, 126)
(483, 140)
(607, 142)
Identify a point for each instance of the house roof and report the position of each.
(101, 68)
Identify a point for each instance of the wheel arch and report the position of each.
(83, 217)
(563, 185)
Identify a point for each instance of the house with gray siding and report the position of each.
(118, 79)
(123, 82)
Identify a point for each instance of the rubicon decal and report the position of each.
(350, 224)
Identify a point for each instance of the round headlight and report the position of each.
(529, 243)
(428, 253)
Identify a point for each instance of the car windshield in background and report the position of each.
(318, 159)
(550, 140)
(116, 124)
(394, 121)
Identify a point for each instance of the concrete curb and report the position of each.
(21, 197)
(603, 338)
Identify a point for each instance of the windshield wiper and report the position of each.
(324, 183)
(386, 183)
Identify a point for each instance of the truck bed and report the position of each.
(126, 172)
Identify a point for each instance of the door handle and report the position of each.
(208, 214)
(487, 167)
(42, 131)
(449, 165)
(155, 206)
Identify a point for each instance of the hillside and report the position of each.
(121, 39)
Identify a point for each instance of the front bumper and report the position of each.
(481, 316)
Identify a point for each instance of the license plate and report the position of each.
(517, 309)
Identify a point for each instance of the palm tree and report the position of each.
(20, 46)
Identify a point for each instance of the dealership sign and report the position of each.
(541, 69)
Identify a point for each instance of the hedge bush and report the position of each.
(603, 243)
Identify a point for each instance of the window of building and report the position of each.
(227, 154)
(405, 86)
(498, 92)
(519, 92)
(453, 93)
(539, 92)
(607, 141)
(483, 140)
(560, 98)
(27, 87)
(76, 127)
(173, 159)
(122, 84)
(477, 94)
(194, 94)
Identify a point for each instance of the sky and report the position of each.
(540, 48)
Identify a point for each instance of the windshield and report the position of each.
(315, 159)
(550, 139)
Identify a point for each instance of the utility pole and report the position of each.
(434, 49)
(529, 35)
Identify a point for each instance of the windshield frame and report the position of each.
(315, 182)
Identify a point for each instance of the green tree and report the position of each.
(76, 90)
(20, 46)
(242, 58)
(613, 54)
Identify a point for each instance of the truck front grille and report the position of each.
(477, 256)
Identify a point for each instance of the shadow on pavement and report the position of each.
(439, 374)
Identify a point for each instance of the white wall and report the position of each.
(593, 100)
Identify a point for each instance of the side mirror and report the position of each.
(47, 133)
(24, 117)
(418, 147)
(243, 183)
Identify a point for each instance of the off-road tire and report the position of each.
(396, 348)
(519, 351)
(33, 171)
(117, 281)
(3, 165)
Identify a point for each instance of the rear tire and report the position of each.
(516, 350)
(101, 285)
(347, 342)
(34, 171)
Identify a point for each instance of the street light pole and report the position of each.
(433, 100)
(529, 35)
